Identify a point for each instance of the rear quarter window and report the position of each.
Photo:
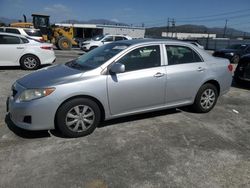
(24, 40)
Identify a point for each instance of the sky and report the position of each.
(211, 13)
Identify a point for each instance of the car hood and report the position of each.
(50, 76)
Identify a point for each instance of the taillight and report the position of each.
(47, 47)
(230, 67)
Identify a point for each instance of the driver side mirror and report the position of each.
(117, 68)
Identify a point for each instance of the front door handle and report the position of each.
(159, 74)
(200, 69)
(19, 48)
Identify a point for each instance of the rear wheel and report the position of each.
(64, 43)
(78, 117)
(206, 98)
(30, 62)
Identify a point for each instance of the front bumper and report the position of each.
(33, 115)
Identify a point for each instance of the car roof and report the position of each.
(12, 34)
(148, 41)
(19, 28)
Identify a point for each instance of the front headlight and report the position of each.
(31, 94)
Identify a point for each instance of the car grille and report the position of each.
(247, 71)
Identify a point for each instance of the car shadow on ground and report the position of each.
(243, 85)
(139, 117)
(43, 134)
(24, 133)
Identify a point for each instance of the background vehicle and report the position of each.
(242, 72)
(62, 37)
(32, 33)
(118, 79)
(28, 53)
(99, 40)
(233, 52)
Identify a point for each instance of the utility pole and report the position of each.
(173, 27)
(225, 29)
(168, 27)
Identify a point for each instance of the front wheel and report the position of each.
(78, 117)
(206, 98)
(64, 43)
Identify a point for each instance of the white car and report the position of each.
(100, 40)
(29, 32)
(28, 53)
(198, 45)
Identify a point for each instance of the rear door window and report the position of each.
(10, 30)
(181, 55)
(1, 30)
(6, 39)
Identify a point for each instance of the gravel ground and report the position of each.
(170, 148)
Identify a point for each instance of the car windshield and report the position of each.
(237, 47)
(97, 57)
(98, 37)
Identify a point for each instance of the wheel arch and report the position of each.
(215, 83)
(100, 105)
(29, 54)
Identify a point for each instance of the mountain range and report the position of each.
(230, 32)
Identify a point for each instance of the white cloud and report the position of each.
(58, 12)
(114, 20)
(57, 8)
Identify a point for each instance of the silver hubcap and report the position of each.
(207, 98)
(80, 118)
(30, 62)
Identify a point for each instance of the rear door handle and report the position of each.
(200, 69)
(159, 74)
(19, 48)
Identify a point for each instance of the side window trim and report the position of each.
(185, 46)
(137, 47)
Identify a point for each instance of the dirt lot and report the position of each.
(171, 148)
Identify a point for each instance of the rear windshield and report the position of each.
(33, 33)
(34, 40)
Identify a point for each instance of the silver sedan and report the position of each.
(118, 79)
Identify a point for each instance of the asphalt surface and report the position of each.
(170, 148)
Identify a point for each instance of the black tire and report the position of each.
(200, 103)
(64, 44)
(235, 59)
(30, 62)
(92, 48)
(64, 116)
